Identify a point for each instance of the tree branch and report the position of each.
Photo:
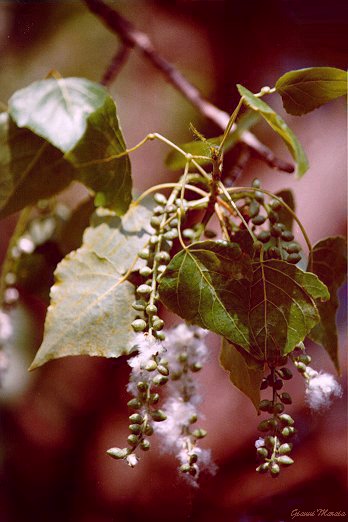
(132, 37)
(116, 64)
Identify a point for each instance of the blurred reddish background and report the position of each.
(56, 423)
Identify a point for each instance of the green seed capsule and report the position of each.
(301, 367)
(256, 183)
(144, 290)
(148, 430)
(136, 418)
(163, 370)
(278, 384)
(154, 240)
(158, 324)
(155, 222)
(263, 468)
(185, 468)
(285, 460)
(139, 305)
(210, 234)
(175, 376)
(286, 419)
(160, 380)
(144, 254)
(154, 398)
(274, 469)
(276, 230)
(285, 398)
(158, 415)
(117, 453)
(142, 386)
(284, 448)
(162, 257)
(293, 258)
(151, 366)
(264, 384)
(135, 428)
(264, 425)
(174, 223)
(135, 404)
(160, 198)
(182, 357)
(286, 432)
(287, 235)
(273, 216)
(270, 442)
(145, 445)
(193, 418)
(254, 208)
(262, 452)
(292, 248)
(259, 196)
(159, 335)
(170, 209)
(264, 236)
(275, 204)
(278, 407)
(258, 220)
(132, 440)
(200, 433)
(151, 309)
(145, 271)
(274, 253)
(158, 210)
(285, 373)
(265, 405)
(273, 423)
(305, 359)
(193, 458)
(196, 367)
(188, 233)
(139, 325)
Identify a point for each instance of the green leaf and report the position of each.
(304, 90)
(245, 372)
(78, 117)
(329, 259)
(284, 216)
(266, 311)
(90, 311)
(30, 168)
(279, 126)
(176, 161)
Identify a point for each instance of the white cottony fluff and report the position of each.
(259, 443)
(184, 338)
(6, 329)
(147, 347)
(132, 460)
(321, 389)
(178, 415)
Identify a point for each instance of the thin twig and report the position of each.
(132, 37)
(116, 64)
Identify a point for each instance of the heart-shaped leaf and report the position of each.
(78, 118)
(265, 307)
(304, 90)
(90, 311)
(279, 126)
(329, 261)
(245, 372)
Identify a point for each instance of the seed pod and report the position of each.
(199, 433)
(182, 357)
(155, 222)
(274, 252)
(154, 240)
(139, 305)
(144, 253)
(145, 271)
(278, 384)
(160, 380)
(285, 373)
(162, 257)
(185, 468)
(262, 452)
(270, 442)
(264, 236)
(264, 425)
(163, 370)
(276, 230)
(160, 198)
(258, 220)
(158, 415)
(287, 235)
(118, 453)
(273, 216)
(264, 405)
(263, 468)
(301, 367)
(188, 233)
(175, 376)
(158, 324)
(259, 196)
(285, 398)
(159, 335)
(144, 290)
(142, 386)
(171, 234)
(132, 440)
(292, 248)
(193, 458)
(136, 418)
(285, 460)
(278, 407)
(273, 423)
(264, 384)
(196, 367)
(158, 210)
(151, 366)
(174, 223)
(210, 234)
(256, 183)
(305, 359)
(274, 469)
(275, 204)
(293, 258)
(154, 398)
(286, 419)
(145, 445)
(284, 448)
(135, 428)
(148, 430)
(135, 404)
(193, 418)
(139, 325)
(254, 208)
(151, 309)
